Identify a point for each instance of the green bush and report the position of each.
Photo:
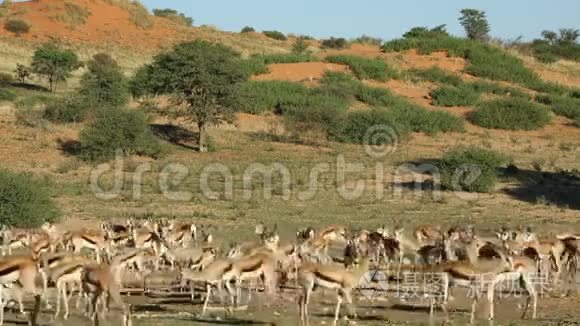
(564, 106)
(486, 61)
(104, 85)
(437, 75)
(17, 26)
(470, 169)
(30, 110)
(511, 114)
(6, 79)
(175, 16)
(300, 45)
(7, 95)
(364, 68)
(286, 58)
(371, 127)
(275, 35)
(118, 129)
(254, 66)
(419, 119)
(248, 29)
(368, 40)
(454, 96)
(67, 109)
(24, 202)
(264, 96)
(325, 120)
(350, 88)
(334, 43)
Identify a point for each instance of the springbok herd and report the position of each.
(159, 248)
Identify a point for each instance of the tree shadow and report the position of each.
(176, 135)
(69, 146)
(30, 87)
(560, 188)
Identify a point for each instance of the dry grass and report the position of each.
(139, 14)
(73, 15)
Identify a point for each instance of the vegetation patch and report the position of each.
(138, 12)
(17, 26)
(437, 75)
(511, 114)
(73, 14)
(334, 43)
(346, 86)
(175, 16)
(362, 127)
(24, 201)
(280, 96)
(364, 68)
(275, 35)
(565, 106)
(6, 79)
(471, 169)
(368, 40)
(118, 130)
(454, 96)
(67, 109)
(7, 95)
(247, 29)
(486, 61)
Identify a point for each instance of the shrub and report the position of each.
(104, 84)
(30, 110)
(511, 114)
(24, 201)
(67, 109)
(255, 66)
(286, 58)
(175, 16)
(577, 121)
(544, 55)
(437, 75)
(7, 95)
(323, 121)
(114, 130)
(17, 26)
(22, 73)
(364, 68)
(425, 32)
(275, 35)
(334, 43)
(264, 96)
(248, 29)
(454, 96)
(471, 169)
(299, 45)
(564, 106)
(5, 79)
(369, 40)
(371, 127)
(419, 119)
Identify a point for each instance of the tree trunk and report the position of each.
(202, 144)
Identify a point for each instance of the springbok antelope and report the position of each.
(65, 274)
(548, 248)
(181, 234)
(330, 277)
(215, 274)
(100, 281)
(428, 234)
(252, 268)
(90, 239)
(17, 275)
(193, 258)
(407, 246)
(317, 247)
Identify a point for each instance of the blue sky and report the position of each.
(381, 18)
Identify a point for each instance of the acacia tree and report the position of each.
(54, 63)
(104, 83)
(200, 76)
(475, 23)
